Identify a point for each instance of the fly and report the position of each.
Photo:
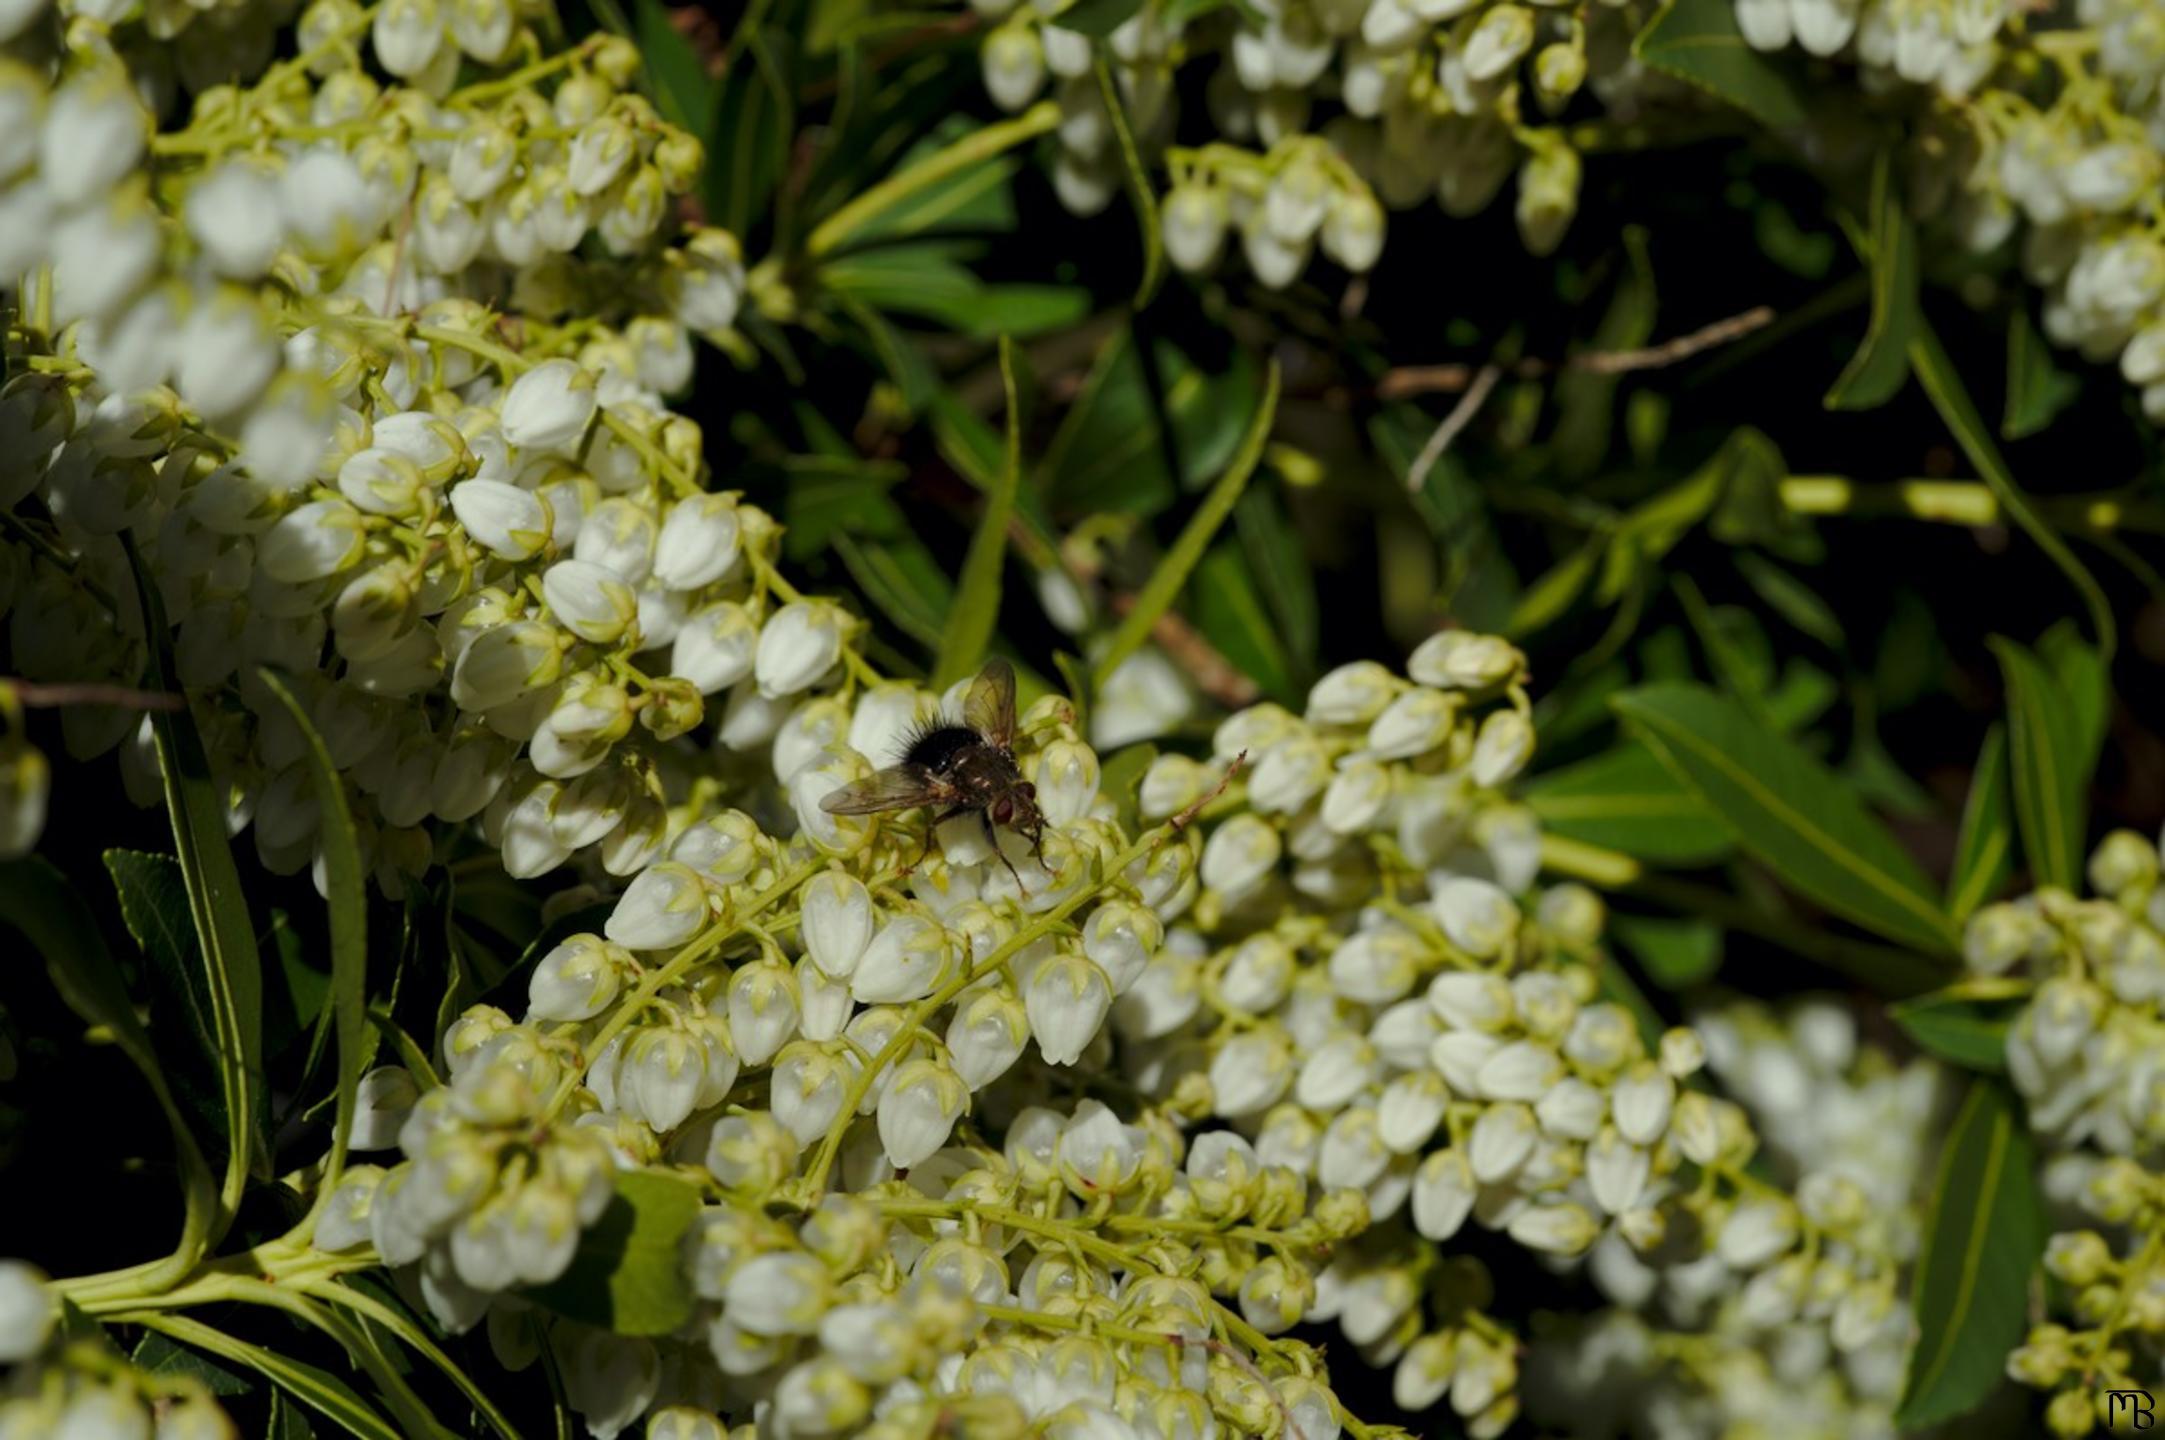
(962, 769)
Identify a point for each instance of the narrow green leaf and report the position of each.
(1698, 42)
(2050, 765)
(902, 578)
(1164, 585)
(682, 90)
(1986, 850)
(1122, 778)
(1675, 953)
(385, 1311)
(975, 610)
(1876, 372)
(320, 1390)
(1141, 194)
(347, 882)
(158, 1355)
(1791, 598)
(868, 206)
(232, 965)
(1960, 1029)
(1928, 358)
(1551, 595)
(2083, 678)
(1279, 562)
(288, 1420)
(1097, 18)
(1226, 606)
(628, 1276)
(1986, 1230)
(1625, 799)
(1789, 811)
(750, 119)
(2037, 389)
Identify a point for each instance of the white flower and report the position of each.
(549, 407)
(660, 1076)
(1643, 1100)
(1240, 855)
(588, 599)
(609, 1379)
(1571, 1110)
(1564, 1229)
(1098, 1154)
(1417, 721)
(1502, 1140)
(798, 646)
(1500, 751)
(1617, 1171)
(25, 792)
(715, 647)
(234, 215)
(26, 1312)
(505, 664)
(1014, 66)
(1066, 1000)
(102, 254)
(1250, 1072)
(311, 543)
(93, 134)
(1756, 1232)
(1479, 918)
(763, 1010)
(836, 921)
(710, 281)
(698, 543)
(509, 522)
(227, 354)
(661, 909)
(1461, 660)
(1143, 698)
(1066, 774)
(918, 1111)
(1195, 219)
(905, 961)
(986, 1036)
(328, 207)
(1521, 1070)
(576, 980)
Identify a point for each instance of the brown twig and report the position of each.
(34, 696)
(1241, 1361)
(1407, 380)
(1187, 816)
(1212, 673)
(1468, 406)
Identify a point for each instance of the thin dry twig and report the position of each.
(1409, 380)
(1186, 817)
(1212, 673)
(34, 696)
(1468, 406)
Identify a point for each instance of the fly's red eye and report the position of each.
(1003, 810)
(1029, 789)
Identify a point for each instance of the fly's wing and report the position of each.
(898, 787)
(989, 708)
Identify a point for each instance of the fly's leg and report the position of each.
(932, 831)
(992, 837)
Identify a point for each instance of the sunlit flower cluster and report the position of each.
(61, 1385)
(2084, 1053)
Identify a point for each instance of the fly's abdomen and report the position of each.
(942, 747)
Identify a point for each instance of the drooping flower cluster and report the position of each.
(1322, 114)
(69, 1386)
(2084, 1054)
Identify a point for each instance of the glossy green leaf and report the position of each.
(1098, 18)
(2050, 764)
(2037, 389)
(158, 1355)
(1625, 799)
(1877, 371)
(1676, 953)
(1141, 194)
(1122, 778)
(903, 579)
(288, 1420)
(1985, 852)
(1555, 591)
(2083, 679)
(1226, 605)
(1278, 560)
(683, 91)
(1146, 427)
(1791, 598)
(978, 199)
(976, 606)
(346, 881)
(1960, 1029)
(232, 967)
(1698, 42)
(1985, 1232)
(628, 1275)
(1929, 359)
(752, 120)
(320, 1390)
(1171, 573)
(1789, 811)
(925, 280)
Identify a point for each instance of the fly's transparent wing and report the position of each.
(898, 787)
(989, 708)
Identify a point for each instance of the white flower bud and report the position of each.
(699, 542)
(311, 543)
(798, 646)
(407, 34)
(1502, 1140)
(588, 600)
(986, 1035)
(714, 648)
(576, 980)
(1564, 1229)
(233, 213)
(27, 1311)
(1250, 1071)
(25, 790)
(1098, 1154)
(1504, 744)
(1521, 1070)
(1195, 219)
(94, 132)
(609, 1379)
(1066, 775)
(509, 522)
(1066, 1000)
(662, 908)
(1479, 918)
(1418, 721)
(1240, 855)
(1288, 776)
(1171, 784)
(918, 1111)
(763, 1010)
(1375, 967)
(1014, 66)
(905, 961)
(506, 664)
(1755, 1233)
(836, 924)
(549, 407)
(1120, 938)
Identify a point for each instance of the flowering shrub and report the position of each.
(521, 740)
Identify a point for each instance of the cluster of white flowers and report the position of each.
(56, 1386)
(2058, 129)
(2084, 1052)
(1428, 101)
(1785, 1319)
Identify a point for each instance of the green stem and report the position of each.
(972, 149)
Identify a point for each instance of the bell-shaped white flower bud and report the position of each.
(659, 1079)
(506, 664)
(1014, 66)
(1352, 232)
(94, 132)
(407, 35)
(1416, 722)
(577, 980)
(25, 790)
(1521, 1070)
(798, 646)
(699, 542)
(609, 1379)
(1502, 748)
(1195, 218)
(763, 1010)
(1479, 918)
(1120, 940)
(715, 647)
(27, 1311)
(549, 407)
(986, 1035)
(383, 1101)
(918, 1111)
(1562, 1229)
(905, 961)
(1443, 1195)
(1643, 1100)
(836, 921)
(1250, 1072)
(1066, 775)
(779, 1293)
(809, 1086)
(1098, 1154)
(311, 543)
(1503, 1139)
(664, 907)
(1756, 1232)
(1145, 697)
(1617, 1171)
(1410, 1109)
(1571, 1109)
(510, 523)
(1462, 660)
(588, 600)
(233, 213)
(1066, 1000)
(1240, 855)
(1375, 967)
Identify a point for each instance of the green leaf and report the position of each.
(1551, 595)
(1145, 427)
(682, 89)
(288, 1420)
(1880, 366)
(1279, 562)
(628, 1276)
(1141, 195)
(2050, 764)
(1164, 585)
(1675, 953)
(1986, 1231)
(1985, 852)
(1960, 1029)
(2037, 389)
(346, 881)
(923, 279)
(975, 610)
(160, 1356)
(1586, 397)
(2083, 679)
(320, 1390)
(1928, 358)
(977, 199)
(1122, 778)
(1789, 811)
(751, 120)
(903, 580)
(1226, 606)
(233, 968)
(1698, 42)
(1097, 18)
(1791, 598)
(1625, 799)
